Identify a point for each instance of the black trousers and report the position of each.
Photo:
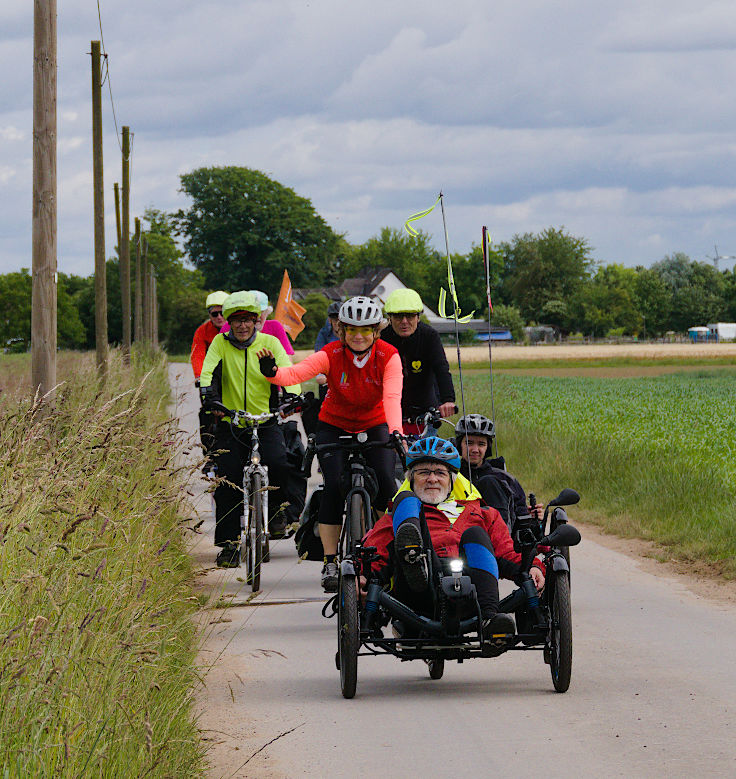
(333, 464)
(231, 456)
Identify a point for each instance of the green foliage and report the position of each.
(608, 302)
(552, 265)
(15, 305)
(97, 641)
(636, 449)
(510, 317)
(313, 319)
(243, 229)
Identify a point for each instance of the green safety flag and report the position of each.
(450, 278)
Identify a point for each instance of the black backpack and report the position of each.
(307, 540)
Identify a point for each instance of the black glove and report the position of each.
(207, 395)
(267, 364)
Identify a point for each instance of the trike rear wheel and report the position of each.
(561, 633)
(436, 668)
(348, 634)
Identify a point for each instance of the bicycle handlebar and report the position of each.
(291, 406)
(351, 446)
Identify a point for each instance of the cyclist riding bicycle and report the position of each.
(204, 335)
(363, 395)
(474, 434)
(427, 520)
(230, 375)
(427, 380)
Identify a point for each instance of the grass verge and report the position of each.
(97, 642)
(652, 458)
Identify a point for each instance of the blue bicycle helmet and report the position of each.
(433, 449)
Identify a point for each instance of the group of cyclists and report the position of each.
(377, 377)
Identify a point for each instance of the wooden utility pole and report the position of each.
(138, 284)
(146, 283)
(116, 189)
(99, 214)
(125, 247)
(154, 311)
(43, 241)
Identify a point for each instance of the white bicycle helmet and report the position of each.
(474, 424)
(360, 311)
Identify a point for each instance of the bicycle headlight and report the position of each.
(255, 458)
(456, 566)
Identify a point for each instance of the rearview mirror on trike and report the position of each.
(568, 497)
(564, 535)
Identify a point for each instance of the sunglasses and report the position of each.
(241, 320)
(215, 314)
(399, 317)
(359, 329)
(425, 473)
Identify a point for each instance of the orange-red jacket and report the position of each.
(445, 535)
(204, 335)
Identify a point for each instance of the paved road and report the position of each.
(653, 691)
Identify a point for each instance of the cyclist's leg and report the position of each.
(477, 550)
(273, 453)
(332, 465)
(382, 463)
(228, 499)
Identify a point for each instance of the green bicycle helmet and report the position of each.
(403, 301)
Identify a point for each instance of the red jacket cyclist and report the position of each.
(364, 381)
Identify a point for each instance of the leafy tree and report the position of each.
(537, 268)
(607, 302)
(313, 319)
(508, 316)
(244, 228)
(653, 299)
(410, 257)
(15, 304)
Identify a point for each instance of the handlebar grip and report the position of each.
(532, 499)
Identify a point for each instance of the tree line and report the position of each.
(243, 228)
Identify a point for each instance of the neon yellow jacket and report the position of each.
(243, 385)
(462, 489)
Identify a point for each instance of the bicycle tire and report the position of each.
(255, 532)
(561, 633)
(348, 634)
(436, 668)
(357, 520)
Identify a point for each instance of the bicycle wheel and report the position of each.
(436, 668)
(348, 634)
(561, 634)
(254, 531)
(357, 520)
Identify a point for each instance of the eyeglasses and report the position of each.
(406, 315)
(242, 320)
(359, 329)
(215, 314)
(425, 473)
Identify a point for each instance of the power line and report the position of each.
(107, 77)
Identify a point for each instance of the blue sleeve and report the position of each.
(323, 335)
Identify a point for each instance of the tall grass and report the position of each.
(653, 458)
(96, 637)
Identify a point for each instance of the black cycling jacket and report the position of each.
(507, 483)
(427, 379)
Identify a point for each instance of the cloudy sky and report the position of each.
(614, 120)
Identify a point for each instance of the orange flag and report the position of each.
(288, 311)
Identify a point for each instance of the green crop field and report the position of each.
(653, 457)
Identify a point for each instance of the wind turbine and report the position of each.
(718, 257)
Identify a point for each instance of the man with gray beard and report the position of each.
(426, 520)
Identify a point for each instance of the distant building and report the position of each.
(375, 283)
(698, 334)
(722, 331)
(378, 284)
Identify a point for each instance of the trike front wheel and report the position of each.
(561, 633)
(348, 634)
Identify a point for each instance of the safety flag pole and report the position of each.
(453, 295)
(487, 269)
